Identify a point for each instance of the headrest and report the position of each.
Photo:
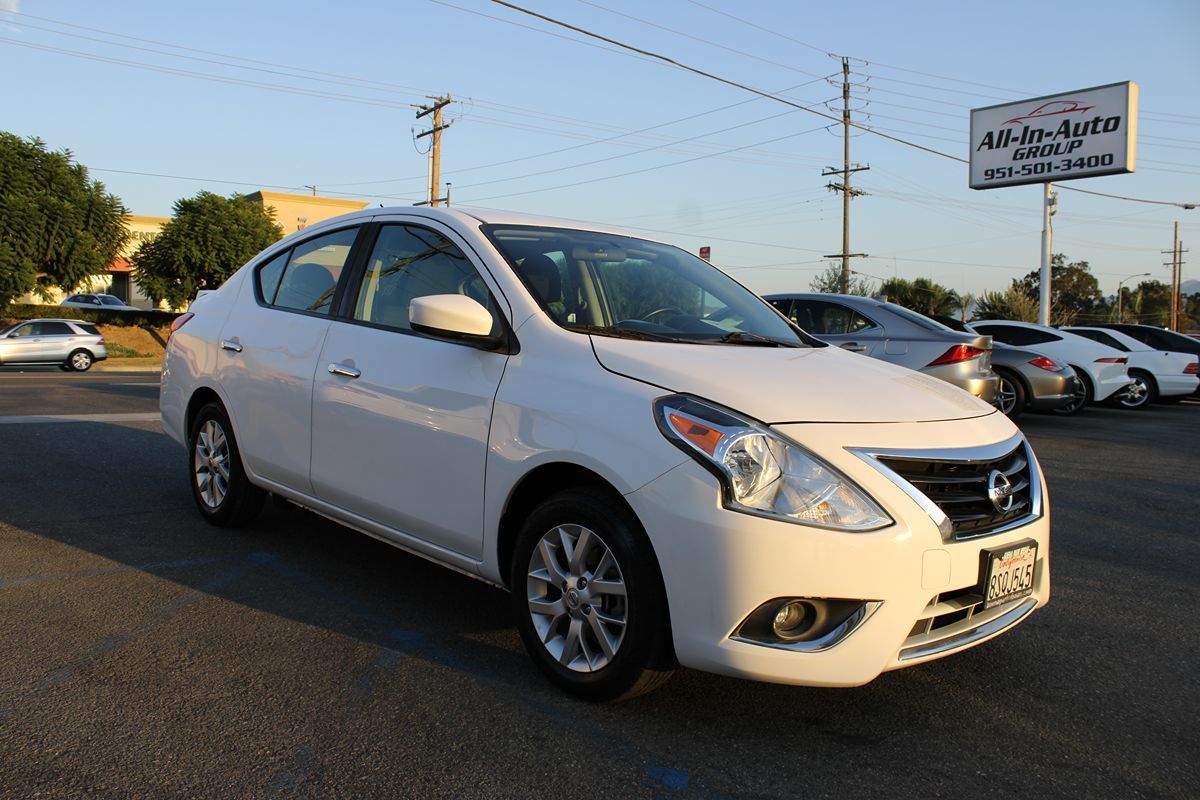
(541, 274)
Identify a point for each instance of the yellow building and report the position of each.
(291, 212)
(294, 212)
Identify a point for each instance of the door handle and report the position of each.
(345, 370)
(231, 345)
(854, 347)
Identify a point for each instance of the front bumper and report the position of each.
(718, 565)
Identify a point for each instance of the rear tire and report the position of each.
(80, 361)
(1141, 392)
(588, 597)
(223, 493)
(1010, 394)
(1082, 398)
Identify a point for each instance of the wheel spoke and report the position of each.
(547, 551)
(579, 553)
(547, 608)
(612, 588)
(571, 644)
(606, 644)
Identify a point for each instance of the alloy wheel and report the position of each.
(1136, 394)
(81, 361)
(576, 598)
(1078, 399)
(210, 463)
(1006, 396)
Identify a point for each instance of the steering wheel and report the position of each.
(650, 315)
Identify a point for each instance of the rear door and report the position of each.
(269, 348)
(58, 339)
(400, 420)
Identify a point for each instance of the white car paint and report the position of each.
(425, 447)
(1104, 366)
(1166, 367)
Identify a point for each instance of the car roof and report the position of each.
(58, 319)
(473, 216)
(853, 298)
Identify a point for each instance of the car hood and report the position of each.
(786, 384)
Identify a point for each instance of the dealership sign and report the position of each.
(1055, 138)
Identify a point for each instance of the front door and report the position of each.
(400, 420)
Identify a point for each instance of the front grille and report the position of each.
(960, 488)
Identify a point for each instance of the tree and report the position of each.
(1013, 303)
(830, 281)
(57, 227)
(922, 295)
(1074, 291)
(207, 239)
(1148, 304)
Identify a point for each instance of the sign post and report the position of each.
(1058, 137)
(705, 252)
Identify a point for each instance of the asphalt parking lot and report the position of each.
(144, 653)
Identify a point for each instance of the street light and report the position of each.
(1120, 297)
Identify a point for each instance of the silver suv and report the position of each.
(70, 343)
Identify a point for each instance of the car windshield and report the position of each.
(620, 286)
(109, 300)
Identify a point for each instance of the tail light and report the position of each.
(1111, 360)
(179, 322)
(1047, 364)
(1192, 368)
(101, 342)
(960, 352)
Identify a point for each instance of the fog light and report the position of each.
(793, 619)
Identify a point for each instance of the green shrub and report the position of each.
(137, 319)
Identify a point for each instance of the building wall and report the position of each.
(295, 212)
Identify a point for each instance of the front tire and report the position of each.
(588, 598)
(1081, 398)
(223, 494)
(80, 361)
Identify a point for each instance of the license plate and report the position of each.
(1006, 573)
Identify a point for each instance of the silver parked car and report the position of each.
(894, 333)
(72, 344)
(1028, 379)
(106, 302)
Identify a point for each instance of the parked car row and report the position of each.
(1014, 365)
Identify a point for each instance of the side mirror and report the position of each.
(453, 316)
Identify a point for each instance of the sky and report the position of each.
(235, 96)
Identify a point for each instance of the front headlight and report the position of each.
(764, 474)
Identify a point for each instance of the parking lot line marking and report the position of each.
(147, 416)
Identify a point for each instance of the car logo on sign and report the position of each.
(1000, 491)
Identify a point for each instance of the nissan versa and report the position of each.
(552, 408)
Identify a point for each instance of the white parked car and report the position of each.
(100, 302)
(542, 406)
(1153, 374)
(1101, 371)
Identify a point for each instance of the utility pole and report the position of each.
(844, 186)
(435, 148)
(313, 187)
(1176, 264)
(1049, 206)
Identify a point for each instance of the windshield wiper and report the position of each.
(623, 333)
(753, 339)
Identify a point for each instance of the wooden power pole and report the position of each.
(844, 185)
(432, 197)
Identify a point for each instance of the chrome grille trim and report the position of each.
(964, 638)
(961, 456)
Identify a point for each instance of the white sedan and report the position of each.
(1153, 373)
(542, 405)
(1102, 370)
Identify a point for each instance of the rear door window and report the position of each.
(54, 329)
(309, 278)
